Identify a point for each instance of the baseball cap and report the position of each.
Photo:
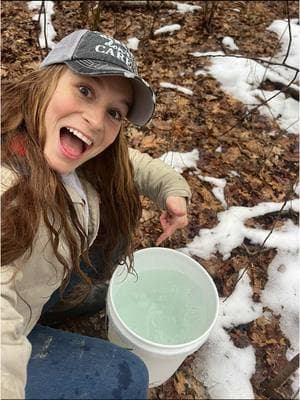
(93, 53)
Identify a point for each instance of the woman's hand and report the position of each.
(174, 217)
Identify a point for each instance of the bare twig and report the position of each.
(239, 279)
(290, 32)
(155, 17)
(273, 227)
(97, 14)
(210, 8)
(42, 10)
(45, 29)
(37, 31)
(293, 123)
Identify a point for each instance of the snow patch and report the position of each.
(179, 88)
(218, 189)
(231, 232)
(133, 43)
(229, 43)
(225, 369)
(167, 29)
(181, 161)
(184, 7)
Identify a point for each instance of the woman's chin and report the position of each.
(60, 167)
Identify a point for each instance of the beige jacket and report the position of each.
(41, 274)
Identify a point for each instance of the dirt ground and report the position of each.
(267, 164)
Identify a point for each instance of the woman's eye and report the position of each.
(116, 114)
(85, 90)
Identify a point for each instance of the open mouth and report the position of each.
(73, 142)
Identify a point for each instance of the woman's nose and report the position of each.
(95, 117)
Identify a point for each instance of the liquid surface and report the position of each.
(165, 307)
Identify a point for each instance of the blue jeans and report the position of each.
(66, 365)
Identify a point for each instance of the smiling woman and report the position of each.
(88, 122)
(70, 208)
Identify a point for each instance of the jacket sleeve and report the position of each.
(15, 347)
(156, 179)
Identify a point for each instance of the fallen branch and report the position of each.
(290, 367)
(136, 4)
(42, 10)
(294, 93)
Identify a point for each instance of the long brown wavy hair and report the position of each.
(38, 194)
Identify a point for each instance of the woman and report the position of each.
(65, 159)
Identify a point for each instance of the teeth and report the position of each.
(80, 136)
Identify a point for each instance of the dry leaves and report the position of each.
(265, 159)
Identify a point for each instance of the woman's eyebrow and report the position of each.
(122, 100)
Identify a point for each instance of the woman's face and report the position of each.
(83, 118)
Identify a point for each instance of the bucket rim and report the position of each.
(191, 343)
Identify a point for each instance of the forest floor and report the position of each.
(267, 164)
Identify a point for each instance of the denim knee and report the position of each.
(132, 378)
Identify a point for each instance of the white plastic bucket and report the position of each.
(165, 336)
